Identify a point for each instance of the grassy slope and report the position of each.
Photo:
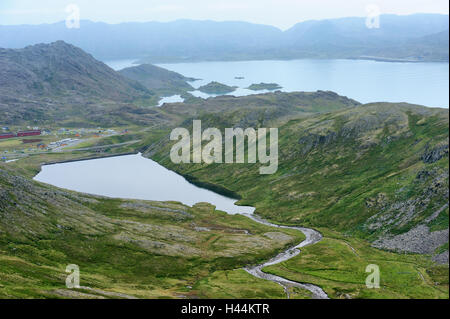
(158, 80)
(338, 265)
(337, 170)
(216, 88)
(137, 248)
(393, 149)
(264, 86)
(332, 165)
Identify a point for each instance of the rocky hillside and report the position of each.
(59, 83)
(158, 79)
(59, 80)
(216, 88)
(124, 249)
(374, 174)
(258, 109)
(377, 171)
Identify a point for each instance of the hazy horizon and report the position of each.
(212, 20)
(281, 14)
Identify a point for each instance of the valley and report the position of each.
(370, 180)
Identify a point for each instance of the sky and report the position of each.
(280, 13)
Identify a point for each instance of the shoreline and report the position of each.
(369, 58)
(89, 158)
(312, 236)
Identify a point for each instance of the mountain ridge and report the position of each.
(158, 79)
(377, 171)
(45, 82)
(364, 175)
(236, 40)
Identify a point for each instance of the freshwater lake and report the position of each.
(136, 177)
(133, 177)
(363, 80)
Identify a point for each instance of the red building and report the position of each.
(7, 135)
(28, 133)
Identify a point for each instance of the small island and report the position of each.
(264, 86)
(216, 88)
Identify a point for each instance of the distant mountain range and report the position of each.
(418, 37)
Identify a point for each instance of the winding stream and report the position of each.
(312, 237)
(136, 177)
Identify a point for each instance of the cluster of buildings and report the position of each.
(62, 131)
(20, 134)
(64, 142)
(86, 131)
(69, 137)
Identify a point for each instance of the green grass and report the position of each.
(136, 248)
(264, 86)
(335, 185)
(340, 270)
(237, 284)
(336, 171)
(216, 88)
(330, 184)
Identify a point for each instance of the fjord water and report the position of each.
(133, 177)
(363, 80)
(120, 64)
(170, 99)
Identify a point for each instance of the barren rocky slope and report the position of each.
(57, 81)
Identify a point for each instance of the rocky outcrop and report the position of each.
(311, 141)
(413, 214)
(434, 154)
(417, 240)
(441, 258)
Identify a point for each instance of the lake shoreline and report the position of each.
(370, 58)
(88, 158)
(256, 270)
(191, 179)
